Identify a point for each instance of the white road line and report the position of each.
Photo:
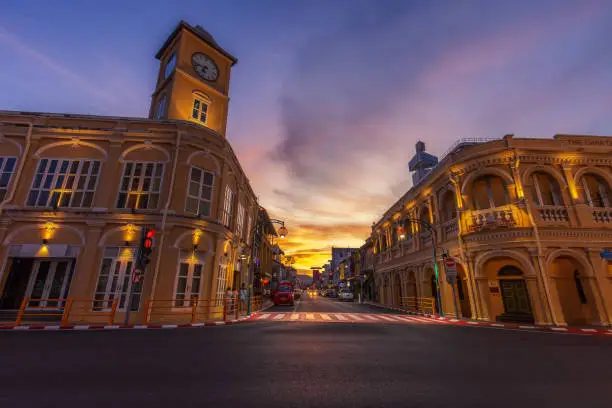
(309, 316)
(324, 316)
(370, 317)
(355, 317)
(295, 316)
(340, 316)
(264, 316)
(279, 316)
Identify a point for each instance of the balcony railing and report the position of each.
(450, 229)
(554, 213)
(602, 215)
(493, 218)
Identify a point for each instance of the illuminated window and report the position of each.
(546, 190)
(64, 183)
(199, 195)
(170, 65)
(7, 168)
(240, 220)
(200, 108)
(140, 185)
(489, 192)
(227, 207)
(596, 190)
(188, 280)
(160, 110)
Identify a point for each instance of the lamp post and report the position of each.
(434, 241)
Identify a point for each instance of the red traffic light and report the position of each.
(148, 243)
(150, 234)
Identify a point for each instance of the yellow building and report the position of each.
(525, 220)
(76, 190)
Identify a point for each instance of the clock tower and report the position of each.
(193, 79)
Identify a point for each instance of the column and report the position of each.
(482, 284)
(218, 257)
(476, 303)
(583, 214)
(548, 302)
(601, 285)
(539, 314)
(87, 266)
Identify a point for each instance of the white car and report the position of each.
(346, 294)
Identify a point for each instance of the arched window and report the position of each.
(448, 206)
(580, 288)
(201, 103)
(510, 270)
(596, 190)
(545, 189)
(489, 192)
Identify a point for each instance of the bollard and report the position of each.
(194, 309)
(22, 307)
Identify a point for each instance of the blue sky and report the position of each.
(329, 97)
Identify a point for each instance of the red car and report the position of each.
(283, 296)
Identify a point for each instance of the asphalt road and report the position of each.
(301, 364)
(316, 304)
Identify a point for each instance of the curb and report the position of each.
(125, 327)
(514, 326)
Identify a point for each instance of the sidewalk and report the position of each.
(594, 331)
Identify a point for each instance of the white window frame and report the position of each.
(139, 192)
(59, 192)
(3, 161)
(600, 183)
(557, 201)
(201, 187)
(200, 106)
(122, 262)
(228, 204)
(193, 263)
(240, 220)
(222, 279)
(44, 301)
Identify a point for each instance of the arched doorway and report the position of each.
(575, 293)
(515, 296)
(397, 290)
(463, 293)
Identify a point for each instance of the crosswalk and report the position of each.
(345, 317)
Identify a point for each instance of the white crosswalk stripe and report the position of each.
(387, 318)
(264, 316)
(309, 316)
(295, 316)
(279, 316)
(355, 317)
(324, 316)
(340, 317)
(348, 317)
(370, 317)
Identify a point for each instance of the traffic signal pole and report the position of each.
(142, 260)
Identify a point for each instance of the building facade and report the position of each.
(525, 221)
(76, 191)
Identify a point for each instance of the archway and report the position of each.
(397, 290)
(412, 286)
(463, 293)
(575, 293)
(514, 294)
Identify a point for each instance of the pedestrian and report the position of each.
(243, 297)
(228, 300)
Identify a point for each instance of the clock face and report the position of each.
(205, 66)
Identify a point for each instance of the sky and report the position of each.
(329, 97)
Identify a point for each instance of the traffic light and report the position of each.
(146, 247)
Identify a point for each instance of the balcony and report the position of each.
(493, 218)
(555, 214)
(602, 215)
(450, 229)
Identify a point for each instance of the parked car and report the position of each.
(346, 294)
(331, 293)
(283, 296)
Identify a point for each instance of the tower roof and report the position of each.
(199, 32)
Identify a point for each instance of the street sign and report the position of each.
(137, 276)
(606, 254)
(451, 268)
